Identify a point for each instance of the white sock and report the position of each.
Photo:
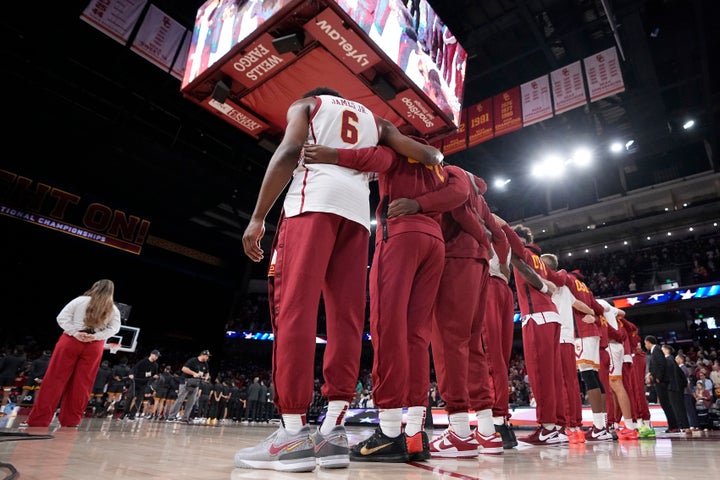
(486, 422)
(460, 423)
(598, 420)
(335, 416)
(549, 426)
(391, 421)
(415, 420)
(497, 420)
(630, 424)
(293, 422)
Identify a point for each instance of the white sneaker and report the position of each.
(281, 451)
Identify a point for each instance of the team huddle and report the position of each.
(439, 281)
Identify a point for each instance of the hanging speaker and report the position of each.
(383, 88)
(288, 43)
(220, 92)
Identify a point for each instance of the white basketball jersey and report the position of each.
(338, 123)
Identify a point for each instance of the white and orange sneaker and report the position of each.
(489, 444)
(450, 445)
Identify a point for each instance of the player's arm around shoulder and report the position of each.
(406, 146)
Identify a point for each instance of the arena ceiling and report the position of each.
(87, 114)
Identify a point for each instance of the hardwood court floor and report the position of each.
(121, 449)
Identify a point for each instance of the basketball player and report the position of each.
(321, 246)
(404, 279)
(540, 335)
(497, 333)
(616, 350)
(569, 399)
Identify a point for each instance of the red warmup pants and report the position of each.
(638, 398)
(68, 382)
(570, 399)
(540, 345)
(404, 280)
(317, 252)
(498, 329)
(460, 361)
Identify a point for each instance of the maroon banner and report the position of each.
(508, 111)
(237, 116)
(480, 122)
(341, 41)
(257, 62)
(457, 142)
(409, 105)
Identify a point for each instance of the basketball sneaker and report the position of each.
(579, 436)
(646, 432)
(381, 448)
(490, 444)
(541, 436)
(597, 434)
(418, 447)
(332, 451)
(563, 434)
(507, 435)
(281, 451)
(451, 445)
(625, 434)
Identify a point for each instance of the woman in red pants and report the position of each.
(87, 321)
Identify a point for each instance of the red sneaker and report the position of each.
(489, 444)
(541, 436)
(626, 434)
(418, 447)
(579, 436)
(450, 445)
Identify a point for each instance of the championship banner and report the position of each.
(178, 68)
(507, 110)
(409, 105)
(603, 74)
(456, 142)
(238, 116)
(480, 122)
(115, 18)
(158, 38)
(568, 88)
(536, 100)
(342, 42)
(257, 62)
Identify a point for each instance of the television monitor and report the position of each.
(401, 61)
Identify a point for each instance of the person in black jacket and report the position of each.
(165, 385)
(10, 365)
(102, 377)
(144, 372)
(118, 385)
(38, 367)
(661, 377)
(678, 382)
